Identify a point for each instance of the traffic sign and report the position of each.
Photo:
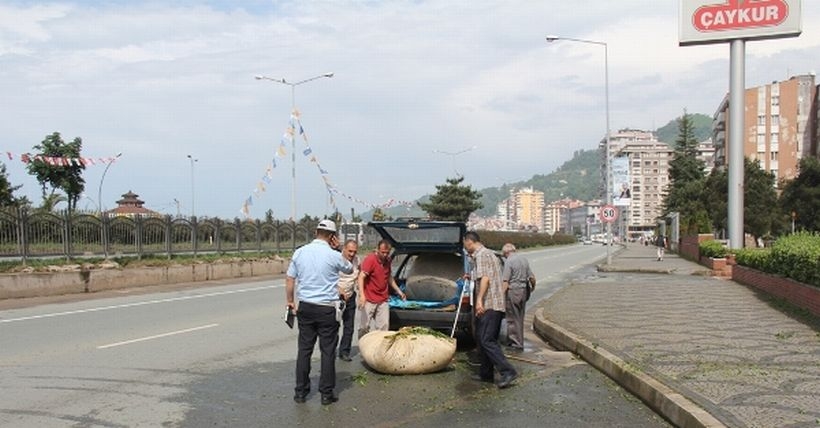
(609, 214)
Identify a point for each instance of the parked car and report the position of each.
(428, 264)
(587, 241)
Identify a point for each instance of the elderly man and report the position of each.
(314, 275)
(489, 310)
(519, 283)
(347, 289)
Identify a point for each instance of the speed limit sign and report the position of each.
(609, 214)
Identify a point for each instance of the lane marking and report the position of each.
(147, 302)
(157, 336)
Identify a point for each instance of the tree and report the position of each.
(452, 201)
(687, 181)
(379, 214)
(65, 176)
(761, 214)
(7, 198)
(801, 195)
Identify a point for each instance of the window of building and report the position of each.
(761, 138)
(773, 156)
(775, 100)
(761, 120)
(775, 138)
(775, 120)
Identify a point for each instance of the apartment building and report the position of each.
(781, 126)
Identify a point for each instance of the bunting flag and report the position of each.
(289, 137)
(60, 160)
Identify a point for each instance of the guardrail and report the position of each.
(25, 234)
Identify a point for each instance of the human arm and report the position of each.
(396, 288)
(360, 299)
(483, 286)
(290, 286)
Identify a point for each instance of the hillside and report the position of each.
(702, 124)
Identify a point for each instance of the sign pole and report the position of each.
(737, 103)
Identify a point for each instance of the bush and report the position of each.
(496, 239)
(797, 256)
(755, 258)
(713, 249)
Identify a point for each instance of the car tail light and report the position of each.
(466, 301)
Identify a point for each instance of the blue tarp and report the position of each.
(397, 302)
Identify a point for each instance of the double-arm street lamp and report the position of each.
(453, 156)
(293, 86)
(608, 161)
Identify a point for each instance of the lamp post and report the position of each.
(99, 189)
(193, 193)
(453, 156)
(293, 86)
(608, 167)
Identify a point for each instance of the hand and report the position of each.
(479, 309)
(402, 295)
(334, 241)
(360, 302)
(291, 306)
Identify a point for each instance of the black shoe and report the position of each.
(300, 398)
(329, 399)
(515, 349)
(479, 378)
(507, 380)
(345, 357)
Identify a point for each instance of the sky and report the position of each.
(413, 80)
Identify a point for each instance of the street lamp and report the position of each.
(608, 167)
(193, 193)
(453, 156)
(293, 86)
(99, 190)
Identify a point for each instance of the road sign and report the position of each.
(609, 214)
(711, 21)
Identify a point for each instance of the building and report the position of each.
(529, 208)
(649, 178)
(559, 218)
(781, 126)
(706, 154)
(131, 206)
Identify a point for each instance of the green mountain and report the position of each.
(702, 124)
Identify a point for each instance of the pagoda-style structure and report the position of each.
(131, 206)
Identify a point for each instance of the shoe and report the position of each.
(345, 357)
(515, 349)
(300, 398)
(329, 399)
(506, 381)
(479, 378)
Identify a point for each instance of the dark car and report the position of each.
(428, 264)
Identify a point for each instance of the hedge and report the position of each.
(713, 249)
(497, 239)
(795, 256)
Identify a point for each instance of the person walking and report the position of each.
(660, 242)
(375, 282)
(519, 282)
(347, 289)
(489, 309)
(313, 276)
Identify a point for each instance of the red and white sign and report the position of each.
(609, 214)
(709, 22)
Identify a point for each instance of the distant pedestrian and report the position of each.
(519, 282)
(314, 275)
(347, 289)
(660, 242)
(489, 310)
(375, 282)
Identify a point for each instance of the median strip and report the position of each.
(157, 336)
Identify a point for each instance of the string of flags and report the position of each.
(289, 136)
(60, 160)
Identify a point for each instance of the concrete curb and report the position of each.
(612, 268)
(670, 404)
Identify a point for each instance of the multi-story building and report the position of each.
(529, 208)
(706, 154)
(781, 126)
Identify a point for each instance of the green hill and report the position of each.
(702, 124)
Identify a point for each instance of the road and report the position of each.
(221, 356)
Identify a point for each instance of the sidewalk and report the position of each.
(719, 344)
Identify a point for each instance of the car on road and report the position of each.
(587, 241)
(428, 265)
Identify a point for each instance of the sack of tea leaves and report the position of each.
(411, 350)
(430, 288)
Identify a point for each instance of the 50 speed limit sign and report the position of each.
(609, 214)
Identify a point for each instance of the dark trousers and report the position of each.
(487, 328)
(348, 318)
(316, 321)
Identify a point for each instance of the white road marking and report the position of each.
(157, 336)
(147, 302)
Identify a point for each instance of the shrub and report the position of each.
(797, 256)
(713, 249)
(755, 258)
(497, 239)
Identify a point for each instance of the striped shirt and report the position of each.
(486, 264)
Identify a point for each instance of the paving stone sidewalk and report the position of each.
(740, 355)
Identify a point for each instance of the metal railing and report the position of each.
(25, 234)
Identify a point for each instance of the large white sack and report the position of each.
(411, 350)
(429, 288)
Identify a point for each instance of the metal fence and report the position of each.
(25, 234)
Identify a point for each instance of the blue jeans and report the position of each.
(487, 329)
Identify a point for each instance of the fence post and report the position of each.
(104, 233)
(258, 235)
(194, 233)
(218, 233)
(138, 235)
(66, 217)
(277, 229)
(22, 241)
(238, 225)
(168, 228)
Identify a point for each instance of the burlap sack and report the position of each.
(411, 350)
(430, 288)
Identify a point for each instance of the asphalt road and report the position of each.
(221, 356)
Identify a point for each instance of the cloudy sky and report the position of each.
(158, 82)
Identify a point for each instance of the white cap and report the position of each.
(328, 225)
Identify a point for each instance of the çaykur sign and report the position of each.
(703, 21)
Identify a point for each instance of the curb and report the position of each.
(670, 404)
(612, 268)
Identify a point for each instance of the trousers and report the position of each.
(374, 316)
(516, 306)
(316, 321)
(348, 319)
(487, 329)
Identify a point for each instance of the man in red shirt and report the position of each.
(375, 281)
